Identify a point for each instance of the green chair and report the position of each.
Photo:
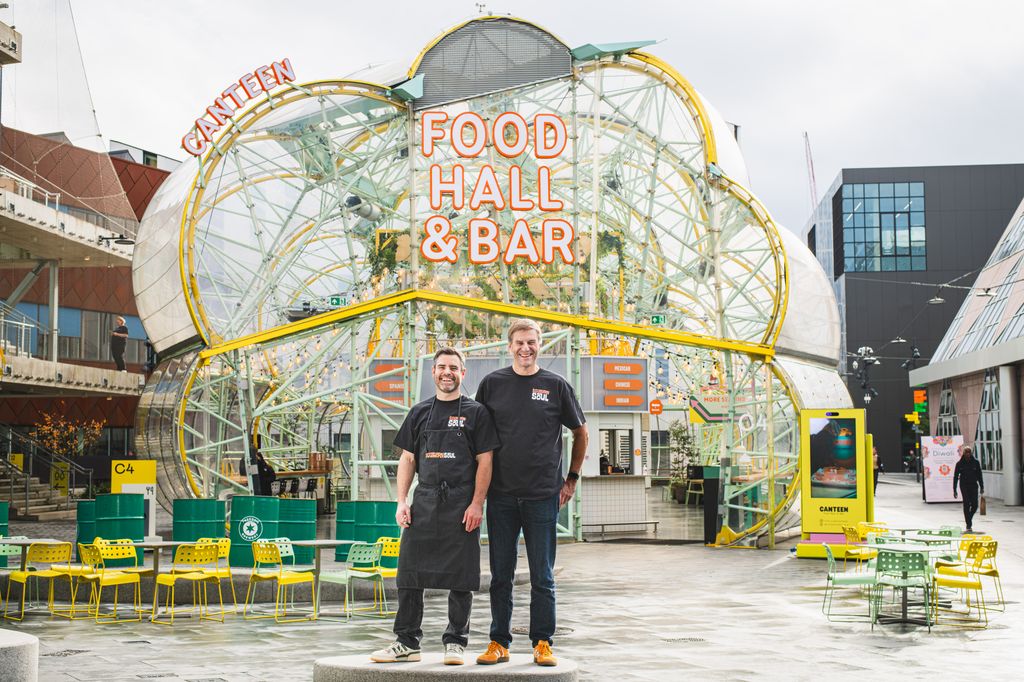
(902, 570)
(836, 579)
(287, 551)
(363, 559)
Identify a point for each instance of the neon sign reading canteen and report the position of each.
(510, 134)
(262, 79)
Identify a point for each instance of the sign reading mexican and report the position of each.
(511, 135)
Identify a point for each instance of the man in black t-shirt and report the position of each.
(118, 343)
(447, 441)
(530, 406)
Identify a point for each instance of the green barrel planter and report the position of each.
(5, 511)
(194, 519)
(86, 525)
(252, 518)
(365, 521)
(345, 527)
(121, 516)
(297, 521)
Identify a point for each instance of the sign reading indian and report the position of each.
(511, 136)
(231, 100)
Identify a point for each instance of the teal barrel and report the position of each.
(121, 516)
(366, 521)
(252, 518)
(86, 524)
(4, 530)
(297, 521)
(201, 518)
(345, 527)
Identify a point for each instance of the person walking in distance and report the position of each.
(877, 465)
(530, 406)
(968, 474)
(448, 441)
(119, 342)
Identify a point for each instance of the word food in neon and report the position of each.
(232, 99)
(510, 135)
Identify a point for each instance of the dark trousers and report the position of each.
(118, 355)
(537, 519)
(970, 504)
(410, 617)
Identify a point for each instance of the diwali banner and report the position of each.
(939, 455)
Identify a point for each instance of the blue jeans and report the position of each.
(537, 519)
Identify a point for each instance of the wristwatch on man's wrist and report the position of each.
(572, 476)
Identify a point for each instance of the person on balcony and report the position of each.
(118, 343)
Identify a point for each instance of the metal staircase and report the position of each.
(30, 489)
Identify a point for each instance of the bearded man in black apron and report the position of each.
(448, 441)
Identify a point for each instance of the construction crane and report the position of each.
(811, 181)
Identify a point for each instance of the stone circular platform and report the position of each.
(431, 669)
(19, 656)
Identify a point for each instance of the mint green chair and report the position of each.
(904, 571)
(836, 579)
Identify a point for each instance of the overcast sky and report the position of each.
(874, 83)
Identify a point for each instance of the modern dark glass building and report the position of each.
(902, 247)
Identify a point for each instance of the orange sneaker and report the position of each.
(495, 653)
(542, 654)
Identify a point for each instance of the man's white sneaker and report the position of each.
(395, 653)
(454, 654)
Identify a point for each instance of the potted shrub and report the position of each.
(683, 451)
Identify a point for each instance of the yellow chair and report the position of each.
(876, 527)
(195, 563)
(125, 542)
(223, 567)
(959, 559)
(853, 550)
(970, 581)
(40, 553)
(980, 560)
(97, 556)
(267, 555)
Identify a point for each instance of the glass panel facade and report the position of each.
(948, 424)
(883, 227)
(988, 437)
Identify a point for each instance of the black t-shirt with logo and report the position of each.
(476, 423)
(529, 412)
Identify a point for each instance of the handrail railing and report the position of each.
(33, 192)
(16, 328)
(33, 450)
(29, 189)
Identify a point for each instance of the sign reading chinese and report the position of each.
(939, 455)
(510, 135)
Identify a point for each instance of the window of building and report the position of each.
(948, 424)
(988, 437)
(883, 227)
(149, 159)
(661, 454)
(115, 443)
(812, 242)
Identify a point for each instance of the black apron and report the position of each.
(436, 550)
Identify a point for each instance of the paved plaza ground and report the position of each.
(627, 611)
